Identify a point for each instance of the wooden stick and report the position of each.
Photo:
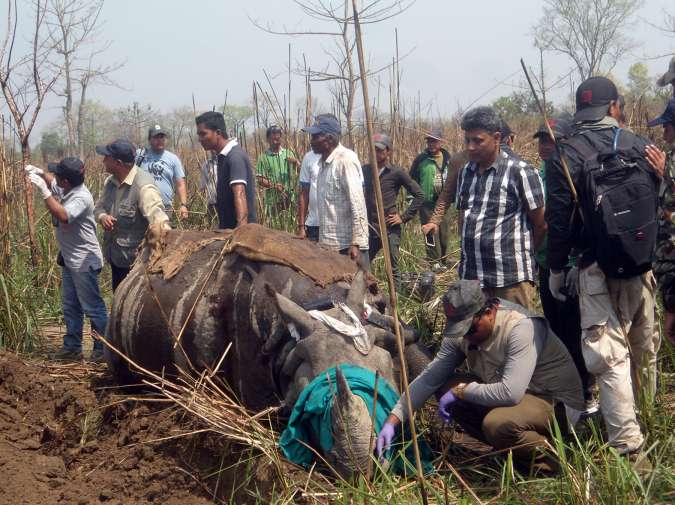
(387, 256)
(566, 169)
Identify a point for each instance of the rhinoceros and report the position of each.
(249, 289)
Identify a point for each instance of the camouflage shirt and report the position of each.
(664, 266)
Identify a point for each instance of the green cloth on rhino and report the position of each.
(313, 413)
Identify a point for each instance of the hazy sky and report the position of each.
(456, 50)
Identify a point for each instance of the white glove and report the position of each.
(32, 169)
(41, 184)
(556, 282)
(572, 282)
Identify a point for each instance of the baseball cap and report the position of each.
(67, 167)
(592, 98)
(669, 76)
(382, 141)
(462, 301)
(324, 124)
(436, 134)
(273, 129)
(561, 127)
(155, 130)
(668, 115)
(119, 149)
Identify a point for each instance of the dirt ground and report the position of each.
(69, 435)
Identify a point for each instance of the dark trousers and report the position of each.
(436, 253)
(375, 244)
(312, 233)
(565, 321)
(118, 275)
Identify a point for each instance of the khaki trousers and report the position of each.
(524, 427)
(522, 293)
(617, 331)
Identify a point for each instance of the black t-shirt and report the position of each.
(234, 168)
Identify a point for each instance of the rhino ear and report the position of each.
(357, 291)
(293, 313)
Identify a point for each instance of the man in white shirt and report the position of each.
(343, 219)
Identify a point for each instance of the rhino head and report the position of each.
(319, 348)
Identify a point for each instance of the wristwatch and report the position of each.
(458, 390)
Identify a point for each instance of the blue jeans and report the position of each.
(80, 295)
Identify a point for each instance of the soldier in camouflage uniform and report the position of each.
(664, 266)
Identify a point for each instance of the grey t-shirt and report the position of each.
(77, 238)
(525, 344)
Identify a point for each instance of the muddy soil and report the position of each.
(68, 437)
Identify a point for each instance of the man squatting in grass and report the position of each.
(166, 168)
(343, 219)
(520, 370)
(500, 199)
(392, 179)
(235, 181)
(72, 208)
(129, 203)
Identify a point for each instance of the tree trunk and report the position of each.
(80, 117)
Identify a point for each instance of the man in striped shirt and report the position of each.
(501, 210)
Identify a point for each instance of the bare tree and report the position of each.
(590, 32)
(74, 26)
(339, 70)
(26, 80)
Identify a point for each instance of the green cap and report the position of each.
(461, 302)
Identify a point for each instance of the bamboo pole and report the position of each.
(387, 257)
(566, 170)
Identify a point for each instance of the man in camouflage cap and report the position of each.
(520, 370)
(664, 266)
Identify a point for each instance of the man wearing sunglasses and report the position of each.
(518, 371)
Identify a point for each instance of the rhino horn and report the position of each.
(357, 291)
(291, 312)
(352, 427)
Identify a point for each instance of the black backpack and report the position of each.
(618, 201)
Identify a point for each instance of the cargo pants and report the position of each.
(619, 346)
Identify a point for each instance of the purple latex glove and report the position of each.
(445, 405)
(384, 439)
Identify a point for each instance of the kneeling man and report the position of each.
(518, 370)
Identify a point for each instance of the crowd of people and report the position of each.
(591, 227)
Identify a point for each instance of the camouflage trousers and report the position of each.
(619, 345)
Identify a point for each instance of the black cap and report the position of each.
(593, 97)
(273, 129)
(668, 77)
(561, 126)
(67, 168)
(155, 130)
(461, 302)
(119, 149)
(668, 115)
